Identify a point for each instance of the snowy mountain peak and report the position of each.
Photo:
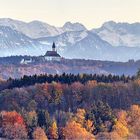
(133, 28)
(68, 26)
(13, 42)
(109, 24)
(6, 19)
(11, 22)
(38, 23)
(120, 34)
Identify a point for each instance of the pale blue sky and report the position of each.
(92, 13)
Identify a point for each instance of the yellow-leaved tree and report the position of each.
(121, 127)
(53, 131)
(74, 130)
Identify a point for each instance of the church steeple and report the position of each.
(52, 55)
(53, 47)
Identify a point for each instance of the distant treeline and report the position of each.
(66, 79)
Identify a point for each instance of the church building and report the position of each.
(52, 55)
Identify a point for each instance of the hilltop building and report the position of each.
(52, 55)
(26, 61)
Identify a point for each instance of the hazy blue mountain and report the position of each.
(34, 29)
(13, 42)
(37, 29)
(68, 26)
(113, 41)
(120, 34)
(88, 45)
(64, 40)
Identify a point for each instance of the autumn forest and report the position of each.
(70, 106)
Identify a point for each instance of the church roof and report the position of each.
(52, 53)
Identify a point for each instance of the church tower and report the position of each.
(52, 55)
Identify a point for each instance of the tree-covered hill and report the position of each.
(61, 110)
(11, 67)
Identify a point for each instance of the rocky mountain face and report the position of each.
(113, 41)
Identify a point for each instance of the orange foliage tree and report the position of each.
(13, 126)
(74, 130)
(39, 134)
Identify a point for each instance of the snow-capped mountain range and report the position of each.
(37, 29)
(120, 34)
(113, 41)
(13, 42)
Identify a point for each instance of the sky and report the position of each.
(91, 13)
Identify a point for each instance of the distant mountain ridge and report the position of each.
(37, 29)
(113, 41)
(13, 42)
(120, 34)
